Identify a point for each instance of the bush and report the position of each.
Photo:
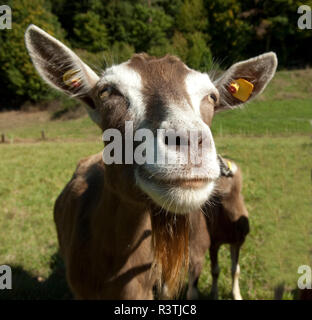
(117, 53)
(17, 74)
(199, 55)
(90, 33)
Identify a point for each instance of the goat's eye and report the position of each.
(105, 92)
(212, 97)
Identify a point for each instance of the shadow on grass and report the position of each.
(26, 286)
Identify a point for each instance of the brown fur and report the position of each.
(163, 82)
(106, 239)
(170, 235)
(110, 235)
(101, 214)
(226, 222)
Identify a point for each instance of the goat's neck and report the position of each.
(123, 218)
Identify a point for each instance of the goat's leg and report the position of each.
(194, 274)
(235, 248)
(164, 294)
(199, 244)
(198, 249)
(215, 270)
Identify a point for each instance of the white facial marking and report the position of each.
(176, 199)
(198, 85)
(172, 198)
(182, 117)
(129, 83)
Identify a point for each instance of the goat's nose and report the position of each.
(184, 138)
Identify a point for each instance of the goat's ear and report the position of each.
(257, 71)
(61, 67)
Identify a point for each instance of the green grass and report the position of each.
(276, 189)
(276, 180)
(81, 128)
(32, 175)
(285, 108)
(279, 117)
(269, 139)
(272, 117)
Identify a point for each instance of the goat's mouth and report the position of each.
(191, 183)
(177, 194)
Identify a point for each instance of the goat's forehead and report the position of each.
(135, 73)
(122, 76)
(170, 83)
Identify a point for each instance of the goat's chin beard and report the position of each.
(170, 242)
(175, 199)
(170, 229)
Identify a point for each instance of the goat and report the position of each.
(226, 223)
(123, 227)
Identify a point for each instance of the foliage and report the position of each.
(198, 31)
(199, 55)
(192, 16)
(228, 30)
(275, 28)
(90, 34)
(180, 46)
(17, 74)
(137, 24)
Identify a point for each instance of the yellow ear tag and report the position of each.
(229, 165)
(69, 80)
(241, 89)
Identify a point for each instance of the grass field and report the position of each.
(270, 139)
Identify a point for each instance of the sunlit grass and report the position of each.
(276, 180)
(269, 139)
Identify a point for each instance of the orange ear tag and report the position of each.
(69, 80)
(241, 89)
(234, 87)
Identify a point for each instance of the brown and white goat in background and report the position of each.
(124, 227)
(227, 222)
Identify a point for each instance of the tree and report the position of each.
(90, 33)
(192, 16)
(180, 46)
(192, 23)
(137, 23)
(67, 10)
(275, 28)
(199, 55)
(17, 73)
(229, 31)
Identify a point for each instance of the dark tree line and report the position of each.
(201, 32)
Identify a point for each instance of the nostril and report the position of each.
(200, 141)
(179, 139)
